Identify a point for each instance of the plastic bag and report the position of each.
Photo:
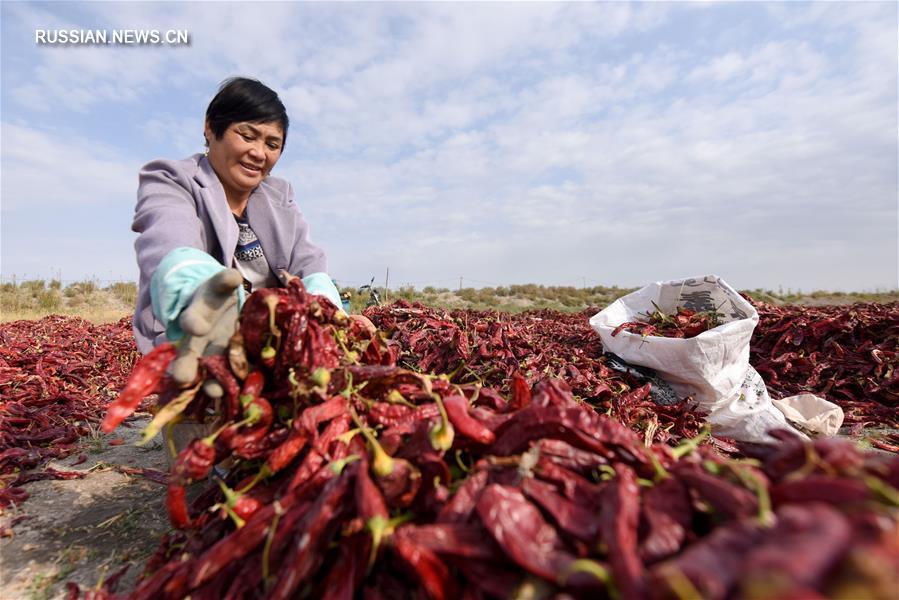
(811, 413)
(712, 367)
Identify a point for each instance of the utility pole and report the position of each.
(386, 280)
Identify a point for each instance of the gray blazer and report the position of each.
(182, 203)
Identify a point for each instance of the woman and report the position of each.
(216, 225)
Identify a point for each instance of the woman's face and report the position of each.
(245, 155)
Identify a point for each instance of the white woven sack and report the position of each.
(712, 367)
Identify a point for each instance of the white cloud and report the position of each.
(183, 134)
(47, 169)
(776, 63)
(518, 142)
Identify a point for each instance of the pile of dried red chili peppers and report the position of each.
(352, 477)
(57, 376)
(488, 348)
(846, 354)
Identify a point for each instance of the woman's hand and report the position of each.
(208, 323)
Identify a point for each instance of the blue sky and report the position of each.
(562, 144)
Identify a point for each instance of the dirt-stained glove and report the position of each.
(208, 322)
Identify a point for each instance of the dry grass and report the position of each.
(37, 298)
(97, 316)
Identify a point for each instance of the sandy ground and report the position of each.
(84, 530)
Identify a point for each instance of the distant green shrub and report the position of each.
(468, 294)
(124, 291)
(49, 300)
(33, 286)
(81, 288)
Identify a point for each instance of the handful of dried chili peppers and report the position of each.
(353, 477)
(684, 323)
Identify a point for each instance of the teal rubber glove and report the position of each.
(320, 284)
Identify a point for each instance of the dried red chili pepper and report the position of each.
(463, 503)
(314, 415)
(217, 367)
(726, 498)
(465, 424)
(284, 453)
(314, 533)
(522, 533)
(143, 381)
(388, 415)
(572, 485)
(10, 496)
(242, 541)
(844, 354)
(431, 572)
(344, 578)
(400, 484)
(568, 456)
(711, 566)
(195, 461)
(618, 520)
(452, 540)
(667, 514)
(557, 470)
(684, 323)
(577, 426)
(577, 520)
(521, 392)
(176, 505)
(258, 415)
(370, 501)
(798, 552)
(818, 488)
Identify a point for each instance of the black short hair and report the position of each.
(241, 99)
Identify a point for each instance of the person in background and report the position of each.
(218, 225)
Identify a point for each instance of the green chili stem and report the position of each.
(681, 585)
(442, 434)
(660, 471)
(882, 489)
(753, 482)
(262, 474)
(338, 466)
(381, 528)
(688, 446)
(585, 565)
(382, 463)
(395, 397)
(268, 540)
(463, 466)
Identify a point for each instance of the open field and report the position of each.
(101, 509)
(87, 299)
